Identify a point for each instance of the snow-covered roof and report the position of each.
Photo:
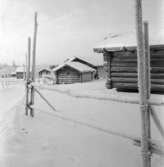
(75, 65)
(95, 61)
(118, 42)
(20, 69)
(46, 69)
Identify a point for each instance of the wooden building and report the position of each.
(20, 72)
(121, 67)
(44, 72)
(96, 64)
(82, 61)
(72, 72)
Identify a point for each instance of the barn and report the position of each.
(72, 72)
(121, 67)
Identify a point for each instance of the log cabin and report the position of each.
(121, 66)
(44, 72)
(73, 72)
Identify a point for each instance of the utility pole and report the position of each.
(34, 62)
(146, 155)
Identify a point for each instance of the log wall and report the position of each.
(122, 70)
(68, 75)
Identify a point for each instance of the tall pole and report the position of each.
(146, 157)
(147, 60)
(28, 75)
(34, 62)
(147, 73)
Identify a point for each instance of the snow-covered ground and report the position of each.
(64, 138)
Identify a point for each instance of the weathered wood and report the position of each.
(146, 156)
(158, 63)
(134, 69)
(124, 69)
(134, 75)
(155, 148)
(147, 84)
(123, 64)
(33, 62)
(126, 86)
(28, 75)
(48, 103)
(108, 60)
(121, 74)
(124, 80)
(157, 122)
(134, 80)
(128, 60)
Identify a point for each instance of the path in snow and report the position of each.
(9, 97)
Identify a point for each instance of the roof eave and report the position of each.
(123, 48)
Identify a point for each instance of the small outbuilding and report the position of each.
(20, 72)
(72, 72)
(44, 72)
(121, 67)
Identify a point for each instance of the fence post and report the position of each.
(28, 74)
(146, 156)
(33, 63)
(147, 74)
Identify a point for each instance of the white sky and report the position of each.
(70, 27)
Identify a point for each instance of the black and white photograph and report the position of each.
(81, 83)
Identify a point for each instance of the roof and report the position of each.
(123, 48)
(75, 65)
(46, 69)
(121, 42)
(93, 61)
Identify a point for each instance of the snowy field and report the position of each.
(58, 139)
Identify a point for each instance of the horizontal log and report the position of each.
(135, 80)
(124, 69)
(124, 80)
(134, 60)
(134, 69)
(157, 69)
(134, 75)
(123, 64)
(134, 64)
(124, 85)
(157, 75)
(155, 88)
(131, 60)
(121, 74)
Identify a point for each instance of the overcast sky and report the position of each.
(70, 27)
